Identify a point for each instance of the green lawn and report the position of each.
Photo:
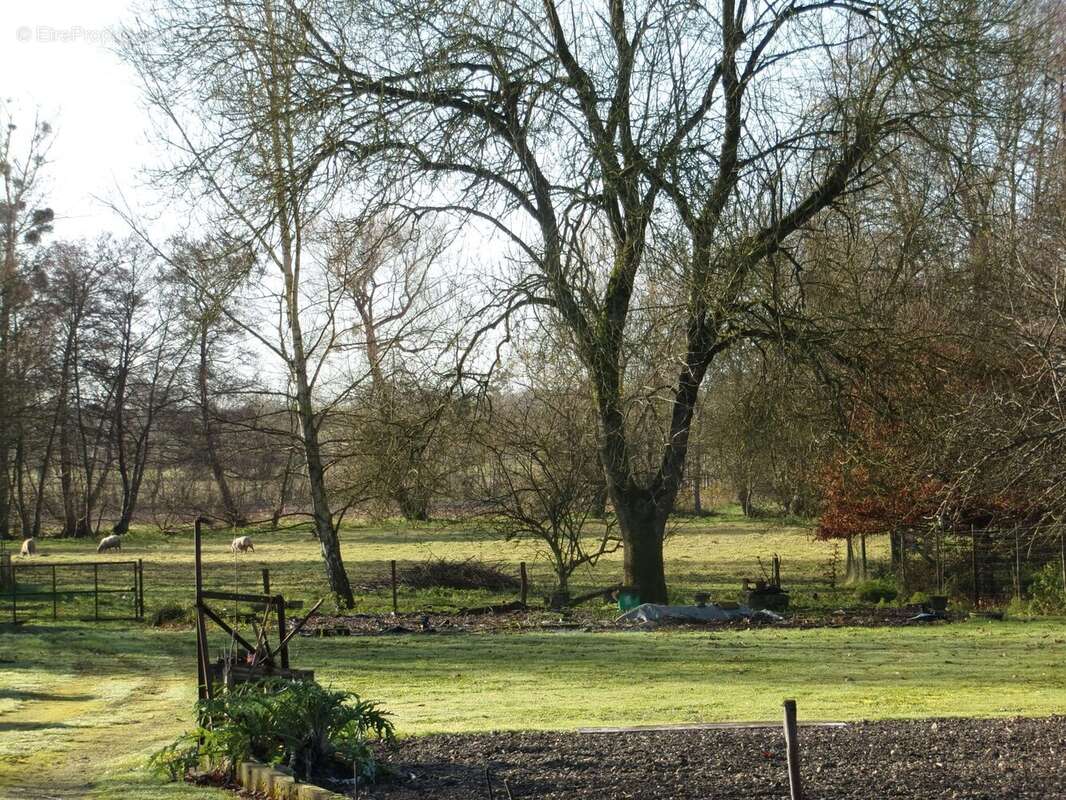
(711, 553)
(82, 706)
(92, 704)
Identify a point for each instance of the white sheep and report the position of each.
(242, 544)
(112, 542)
(29, 547)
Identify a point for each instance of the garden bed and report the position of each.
(584, 620)
(947, 758)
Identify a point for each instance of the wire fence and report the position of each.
(987, 565)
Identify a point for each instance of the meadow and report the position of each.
(83, 704)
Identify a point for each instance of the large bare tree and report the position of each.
(692, 142)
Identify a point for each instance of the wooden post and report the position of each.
(792, 751)
(96, 591)
(395, 600)
(203, 685)
(55, 602)
(973, 566)
(14, 596)
(1017, 566)
(279, 605)
(1062, 558)
(140, 588)
(266, 580)
(524, 578)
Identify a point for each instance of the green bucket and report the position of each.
(628, 599)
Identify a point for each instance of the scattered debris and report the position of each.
(651, 612)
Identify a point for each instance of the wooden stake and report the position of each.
(524, 577)
(395, 600)
(1062, 557)
(792, 751)
(1017, 566)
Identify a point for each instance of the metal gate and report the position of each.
(86, 590)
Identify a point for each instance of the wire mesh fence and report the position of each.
(987, 565)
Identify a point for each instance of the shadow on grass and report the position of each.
(31, 726)
(21, 695)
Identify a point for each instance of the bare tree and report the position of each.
(737, 125)
(542, 477)
(23, 220)
(235, 64)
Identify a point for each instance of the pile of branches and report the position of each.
(473, 573)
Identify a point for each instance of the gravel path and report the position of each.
(1012, 759)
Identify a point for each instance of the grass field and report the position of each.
(82, 706)
(710, 553)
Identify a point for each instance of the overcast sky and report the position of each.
(55, 61)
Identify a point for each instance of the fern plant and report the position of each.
(299, 724)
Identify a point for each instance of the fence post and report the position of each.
(792, 751)
(279, 603)
(266, 580)
(140, 588)
(96, 591)
(55, 602)
(1062, 558)
(524, 578)
(973, 566)
(1017, 566)
(395, 599)
(14, 596)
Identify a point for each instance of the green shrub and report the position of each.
(876, 591)
(170, 614)
(918, 599)
(1046, 593)
(176, 759)
(299, 724)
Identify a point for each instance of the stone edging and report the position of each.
(278, 783)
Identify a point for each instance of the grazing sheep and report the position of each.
(29, 547)
(112, 542)
(242, 544)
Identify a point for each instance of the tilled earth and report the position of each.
(947, 758)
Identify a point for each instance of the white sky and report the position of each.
(55, 61)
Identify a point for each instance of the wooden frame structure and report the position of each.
(260, 659)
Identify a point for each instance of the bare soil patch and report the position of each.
(989, 759)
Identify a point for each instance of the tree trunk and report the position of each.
(745, 496)
(20, 468)
(7, 286)
(414, 506)
(66, 480)
(323, 517)
(642, 528)
(851, 573)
